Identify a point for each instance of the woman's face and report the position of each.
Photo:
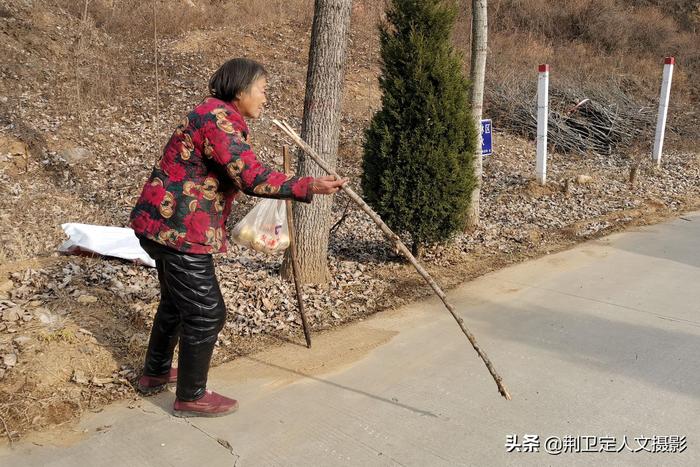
(251, 102)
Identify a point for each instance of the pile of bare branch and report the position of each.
(595, 120)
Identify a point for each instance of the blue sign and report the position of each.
(486, 139)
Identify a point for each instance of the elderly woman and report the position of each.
(180, 220)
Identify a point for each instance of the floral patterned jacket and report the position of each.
(187, 199)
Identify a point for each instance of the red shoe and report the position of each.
(209, 405)
(149, 385)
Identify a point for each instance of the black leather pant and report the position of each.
(191, 308)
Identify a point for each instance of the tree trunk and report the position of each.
(320, 128)
(477, 76)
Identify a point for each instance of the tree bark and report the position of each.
(320, 127)
(477, 76)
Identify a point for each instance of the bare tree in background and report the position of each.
(320, 128)
(477, 76)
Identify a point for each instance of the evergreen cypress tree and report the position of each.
(418, 171)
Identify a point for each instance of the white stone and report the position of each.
(9, 359)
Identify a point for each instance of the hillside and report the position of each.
(82, 120)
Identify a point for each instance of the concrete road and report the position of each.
(599, 346)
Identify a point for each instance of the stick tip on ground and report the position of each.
(504, 392)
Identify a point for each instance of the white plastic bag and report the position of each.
(264, 228)
(103, 240)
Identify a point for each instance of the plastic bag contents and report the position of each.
(264, 228)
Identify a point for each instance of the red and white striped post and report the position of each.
(542, 116)
(669, 62)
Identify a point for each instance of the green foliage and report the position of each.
(418, 172)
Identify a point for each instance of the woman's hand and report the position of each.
(327, 185)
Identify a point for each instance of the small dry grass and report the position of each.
(582, 39)
(593, 40)
(135, 18)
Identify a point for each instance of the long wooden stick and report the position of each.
(399, 245)
(293, 253)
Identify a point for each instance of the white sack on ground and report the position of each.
(107, 241)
